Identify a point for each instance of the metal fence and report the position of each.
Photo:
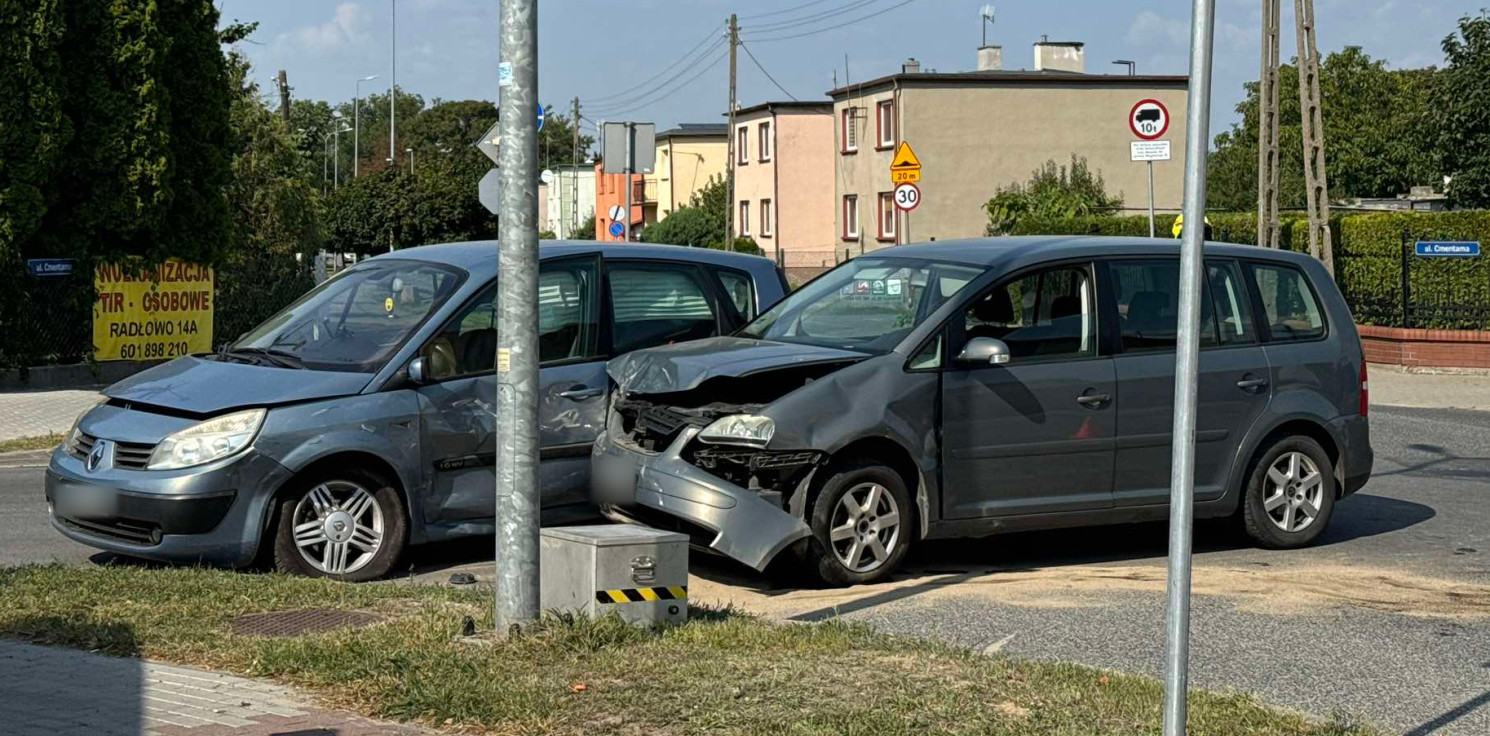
(1402, 289)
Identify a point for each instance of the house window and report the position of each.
(850, 217)
(850, 129)
(766, 229)
(765, 142)
(745, 219)
(742, 145)
(887, 216)
(885, 123)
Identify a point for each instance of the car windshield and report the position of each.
(867, 304)
(352, 322)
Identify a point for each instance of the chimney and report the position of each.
(990, 58)
(910, 66)
(1060, 56)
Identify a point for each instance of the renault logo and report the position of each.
(98, 456)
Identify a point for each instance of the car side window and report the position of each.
(1232, 307)
(656, 304)
(741, 292)
(1148, 295)
(567, 324)
(1045, 315)
(1288, 303)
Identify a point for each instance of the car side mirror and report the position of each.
(417, 373)
(984, 351)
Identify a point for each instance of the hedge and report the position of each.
(1451, 293)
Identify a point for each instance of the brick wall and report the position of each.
(1427, 348)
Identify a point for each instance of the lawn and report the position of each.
(722, 672)
(39, 442)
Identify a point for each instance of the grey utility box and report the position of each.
(641, 574)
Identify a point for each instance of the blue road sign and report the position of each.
(540, 116)
(50, 266)
(1448, 249)
(616, 229)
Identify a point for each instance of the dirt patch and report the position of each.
(1282, 591)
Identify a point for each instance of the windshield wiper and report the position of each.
(273, 357)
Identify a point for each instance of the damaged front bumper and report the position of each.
(745, 525)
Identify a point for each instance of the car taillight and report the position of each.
(1365, 391)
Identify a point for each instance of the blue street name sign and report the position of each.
(616, 229)
(50, 266)
(1447, 249)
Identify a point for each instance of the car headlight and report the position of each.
(740, 429)
(211, 440)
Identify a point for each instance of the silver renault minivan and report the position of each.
(359, 419)
(969, 388)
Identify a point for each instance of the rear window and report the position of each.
(1288, 303)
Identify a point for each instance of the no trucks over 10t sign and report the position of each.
(1149, 120)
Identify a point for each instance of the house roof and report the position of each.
(803, 105)
(1013, 77)
(695, 130)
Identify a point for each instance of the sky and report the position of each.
(602, 50)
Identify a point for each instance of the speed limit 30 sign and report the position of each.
(907, 197)
(1149, 119)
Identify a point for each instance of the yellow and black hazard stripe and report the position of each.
(638, 595)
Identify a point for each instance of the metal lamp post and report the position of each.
(1132, 65)
(410, 151)
(356, 127)
(337, 128)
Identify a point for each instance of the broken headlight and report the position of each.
(740, 429)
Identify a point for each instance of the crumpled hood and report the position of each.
(684, 366)
(211, 387)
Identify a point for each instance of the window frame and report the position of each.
(1252, 304)
(850, 122)
(742, 145)
(765, 148)
(1261, 323)
(849, 222)
(713, 294)
(887, 228)
(954, 327)
(767, 228)
(884, 123)
(737, 319)
(744, 218)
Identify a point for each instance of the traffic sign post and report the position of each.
(907, 196)
(905, 171)
(489, 190)
(1149, 120)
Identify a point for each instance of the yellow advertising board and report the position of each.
(152, 313)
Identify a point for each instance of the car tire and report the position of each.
(362, 526)
(1290, 494)
(875, 492)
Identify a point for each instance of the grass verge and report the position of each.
(39, 442)
(722, 672)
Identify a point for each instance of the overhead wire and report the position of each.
(609, 109)
(844, 24)
(711, 35)
(768, 74)
(783, 11)
(778, 25)
(640, 103)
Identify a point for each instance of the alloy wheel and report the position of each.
(865, 527)
(338, 527)
(1293, 492)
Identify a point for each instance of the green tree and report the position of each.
(700, 223)
(1378, 128)
(1052, 192)
(1464, 103)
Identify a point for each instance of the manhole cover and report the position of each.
(295, 623)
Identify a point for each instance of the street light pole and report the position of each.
(356, 124)
(336, 129)
(517, 327)
(392, 79)
(1132, 65)
(410, 151)
(325, 161)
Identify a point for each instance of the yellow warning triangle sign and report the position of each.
(905, 159)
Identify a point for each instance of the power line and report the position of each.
(768, 74)
(803, 6)
(623, 93)
(610, 109)
(644, 103)
(835, 27)
(777, 25)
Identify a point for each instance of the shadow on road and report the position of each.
(47, 690)
(1464, 709)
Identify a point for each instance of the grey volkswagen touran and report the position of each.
(359, 419)
(969, 388)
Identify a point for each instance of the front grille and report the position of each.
(127, 455)
(653, 427)
(124, 530)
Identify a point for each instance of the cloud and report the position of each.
(1150, 27)
(345, 27)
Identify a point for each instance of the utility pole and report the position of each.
(1267, 129)
(1316, 187)
(729, 210)
(574, 173)
(1187, 373)
(392, 84)
(517, 324)
(284, 100)
(630, 177)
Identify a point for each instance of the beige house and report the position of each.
(686, 157)
(784, 179)
(977, 131)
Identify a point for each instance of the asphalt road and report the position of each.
(1387, 620)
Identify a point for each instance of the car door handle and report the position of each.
(580, 393)
(1252, 384)
(1094, 401)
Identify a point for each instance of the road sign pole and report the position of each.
(630, 172)
(517, 326)
(1151, 199)
(1186, 375)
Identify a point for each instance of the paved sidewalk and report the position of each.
(36, 413)
(45, 691)
(1392, 386)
